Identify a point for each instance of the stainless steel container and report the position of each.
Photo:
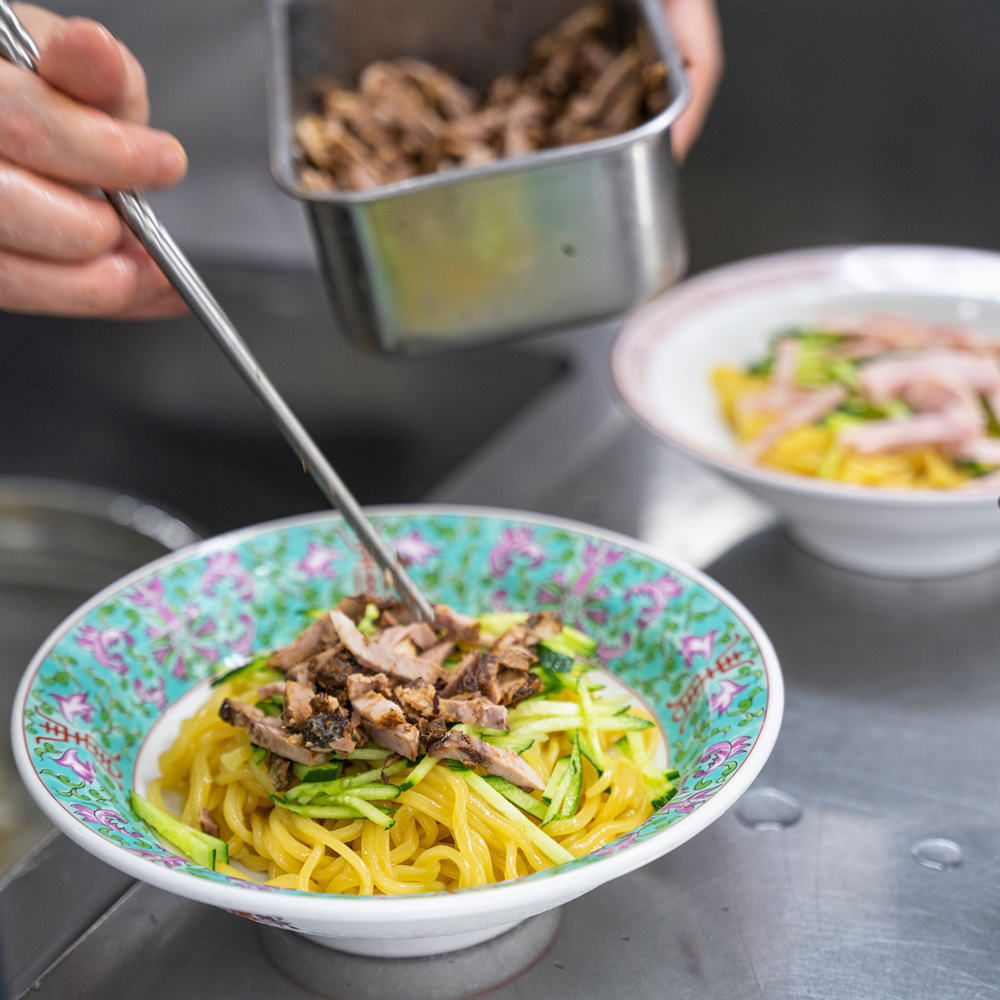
(471, 256)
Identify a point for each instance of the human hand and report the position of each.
(696, 30)
(79, 125)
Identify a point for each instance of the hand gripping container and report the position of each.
(560, 237)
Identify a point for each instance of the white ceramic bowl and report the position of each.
(662, 360)
(108, 688)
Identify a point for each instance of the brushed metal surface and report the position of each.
(890, 739)
(563, 236)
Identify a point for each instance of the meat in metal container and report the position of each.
(476, 255)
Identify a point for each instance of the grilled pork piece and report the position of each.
(335, 731)
(418, 699)
(331, 668)
(268, 732)
(279, 770)
(438, 653)
(462, 627)
(497, 760)
(476, 710)
(420, 634)
(274, 689)
(206, 822)
(378, 710)
(463, 678)
(404, 739)
(298, 705)
(374, 657)
(515, 686)
(317, 636)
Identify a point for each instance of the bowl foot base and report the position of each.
(422, 968)
(410, 947)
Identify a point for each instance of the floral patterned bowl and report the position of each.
(93, 695)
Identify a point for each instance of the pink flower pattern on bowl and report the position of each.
(109, 673)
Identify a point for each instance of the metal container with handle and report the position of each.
(475, 255)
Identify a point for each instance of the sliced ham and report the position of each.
(879, 334)
(375, 657)
(497, 760)
(882, 380)
(947, 429)
(806, 409)
(985, 450)
(476, 710)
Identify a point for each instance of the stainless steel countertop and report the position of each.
(890, 738)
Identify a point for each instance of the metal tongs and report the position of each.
(19, 47)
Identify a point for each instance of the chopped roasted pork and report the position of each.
(497, 760)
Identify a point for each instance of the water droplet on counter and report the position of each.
(768, 809)
(937, 853)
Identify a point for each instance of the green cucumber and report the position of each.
(516, 743)
(319, 812)
(423, 767)
(367, 624)
(555, 778)
(551, 659)
(272, 706)
(571, 642)
(259, 753)
(497, 622)
(616, 723)
(553, 851)
(587, 710)
(376, 815)
(543, 708)
(566, 797)
(247, 668)
(588, 751)
(663, 797)
(198, 846)
(329, 771)
(367, 753)
(518, 796)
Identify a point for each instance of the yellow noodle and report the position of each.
(444, 837)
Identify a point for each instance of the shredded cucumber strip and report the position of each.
(588, 712)
(518, 796)
(554, 852)
(616, 723)
(424, 767)
(539, 707)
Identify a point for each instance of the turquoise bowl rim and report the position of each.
(388, 916)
